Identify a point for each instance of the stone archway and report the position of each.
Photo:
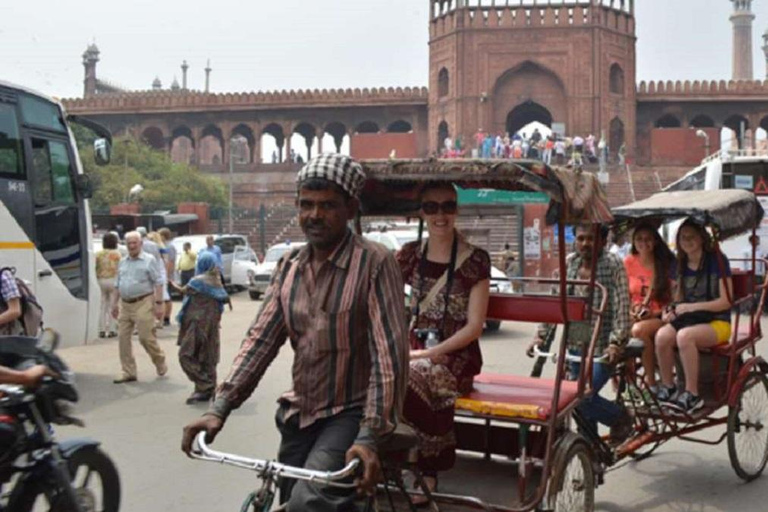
(538, 92)
(525, 114)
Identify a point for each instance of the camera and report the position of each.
(429, 337)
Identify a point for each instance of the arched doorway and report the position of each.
(528, 93)
(442, 134)
(525, 114)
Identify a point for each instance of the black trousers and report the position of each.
(322, 446)
(186, 275)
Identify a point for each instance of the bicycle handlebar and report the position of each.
(201, 451)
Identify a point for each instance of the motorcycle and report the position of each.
(37, 472)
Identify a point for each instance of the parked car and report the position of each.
(394, 240)
(236, 255)
(260, 277)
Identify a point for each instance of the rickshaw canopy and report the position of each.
(730, 212)
(392, 186)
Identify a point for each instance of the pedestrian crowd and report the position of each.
(551, 149)
(136, 300)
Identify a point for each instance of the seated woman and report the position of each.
(700, 319)
(450, 280)
(199, 320)
(650, 269)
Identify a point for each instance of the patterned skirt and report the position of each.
(429, 408)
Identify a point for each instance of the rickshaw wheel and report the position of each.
(572, 481)
(748, 428)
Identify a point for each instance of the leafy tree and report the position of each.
(166, 183)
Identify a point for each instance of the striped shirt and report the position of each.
(616, 326)
(347, 329)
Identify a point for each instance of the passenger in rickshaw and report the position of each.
(613, 334)
(700, 317)
(450, 282)
(651, 271)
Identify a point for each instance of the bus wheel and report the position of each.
(748, 428)
(572, 482)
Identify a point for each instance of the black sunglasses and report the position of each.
(432, 207)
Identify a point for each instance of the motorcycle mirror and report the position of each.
(48, 340)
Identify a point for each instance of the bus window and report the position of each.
(53, 181)
(57, 219)
(42, 113)
(11, 155)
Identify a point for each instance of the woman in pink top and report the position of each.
(650, 268)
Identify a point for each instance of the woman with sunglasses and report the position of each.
(650, 271)
(450, 283)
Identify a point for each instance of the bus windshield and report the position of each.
(692, 181)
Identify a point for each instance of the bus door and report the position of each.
(60, 225)
(16, 247)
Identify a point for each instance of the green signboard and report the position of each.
(484, 196)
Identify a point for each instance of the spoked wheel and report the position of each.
(572, 482)
(748, 428)
(95, 481)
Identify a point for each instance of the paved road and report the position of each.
(140, 426)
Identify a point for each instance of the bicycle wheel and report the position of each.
(748, 428)
(572, 482)
(94, 479)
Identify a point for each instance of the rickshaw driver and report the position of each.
(339, 299)
(613, 334)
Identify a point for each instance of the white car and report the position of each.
(258, 279)
(236, 255)
(394, 240)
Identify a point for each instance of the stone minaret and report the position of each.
(184, 68)
(208, 76)
(765, 51)
(742, 19)
(90, 58)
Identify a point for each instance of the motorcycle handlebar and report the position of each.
(201, 451)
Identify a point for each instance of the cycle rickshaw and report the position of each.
(528, 421)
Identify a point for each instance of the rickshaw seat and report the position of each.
(535, 308)
(741, 281)
(513, 396)
(742, 287)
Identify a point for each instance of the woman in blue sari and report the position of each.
(199, 319)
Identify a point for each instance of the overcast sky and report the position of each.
(286, 44)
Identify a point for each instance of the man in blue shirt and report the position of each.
(215, 250)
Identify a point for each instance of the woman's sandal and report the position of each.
(423, 501)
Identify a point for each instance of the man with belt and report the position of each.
(339, 299)
(140, 292)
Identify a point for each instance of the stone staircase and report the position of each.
(278, 216)
(638, 183)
